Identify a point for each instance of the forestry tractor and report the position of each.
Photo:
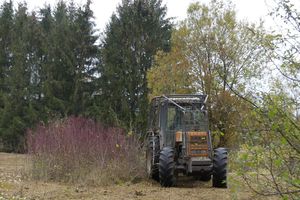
(179, 142)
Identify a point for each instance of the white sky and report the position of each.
(252, 10)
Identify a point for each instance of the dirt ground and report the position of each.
(13, 186)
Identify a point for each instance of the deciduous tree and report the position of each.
(218, 54)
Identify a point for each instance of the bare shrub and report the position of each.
(83, 151)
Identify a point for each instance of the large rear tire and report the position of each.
(152, 158)
(220, 168)
(167, 175)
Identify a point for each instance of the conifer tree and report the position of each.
(70, 52)
(6, 24)
(47, 66)
(135, 33)
(19, 112)
(86, 59)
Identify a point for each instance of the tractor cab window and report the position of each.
(174, 118)
(192, 119)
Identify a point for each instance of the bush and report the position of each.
(83, 151)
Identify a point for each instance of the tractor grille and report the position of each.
(197, 144)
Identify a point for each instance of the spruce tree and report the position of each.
(85, 52)
(19, 111)
(58, 63)
(70, 52)
(135, 33)
(47, 66)
(6, 26)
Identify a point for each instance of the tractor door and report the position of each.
(171, 122)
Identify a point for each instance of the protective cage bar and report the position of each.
(202, 98)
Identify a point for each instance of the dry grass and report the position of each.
(13, 187)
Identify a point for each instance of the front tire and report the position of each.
(220, 168)
(167, 175)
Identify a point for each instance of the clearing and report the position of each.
(13, 186)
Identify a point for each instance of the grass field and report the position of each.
(14, 185)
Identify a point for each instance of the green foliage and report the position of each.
(213, 53)
(17, 102)
(50, 65)
(270, 156)
(71, 53)
(47, 65)
(272, 145)
(135, 33)
(171, 71)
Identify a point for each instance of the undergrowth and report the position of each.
(80, 150)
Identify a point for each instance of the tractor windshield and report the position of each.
(190, 119)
